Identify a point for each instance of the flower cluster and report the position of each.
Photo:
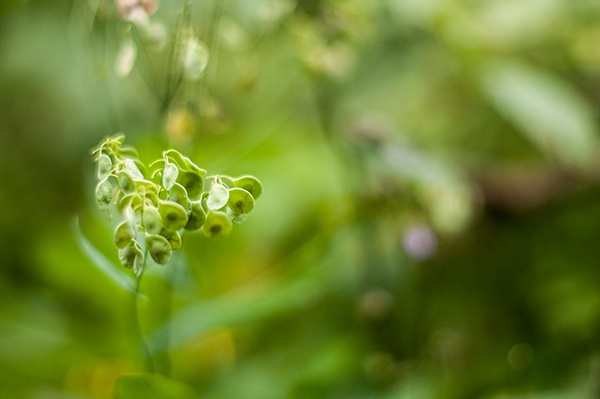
(173, 199)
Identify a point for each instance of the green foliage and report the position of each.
(430, 223)
(160, 210)
(151, 386)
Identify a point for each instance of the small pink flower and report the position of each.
(135, 10)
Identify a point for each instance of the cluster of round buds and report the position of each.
(156, 210)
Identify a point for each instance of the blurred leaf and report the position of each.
(151, 386)
(545, 108)
(115, 273)
(239, 307)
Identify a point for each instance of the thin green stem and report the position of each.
(137, 326)
(171, 281)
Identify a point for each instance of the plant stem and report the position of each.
(137, 325)
(165, 338)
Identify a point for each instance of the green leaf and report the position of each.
(245, 305)
(218, 197)
(250, 184)
(552, 114)
(117, 275)
(151, 386)
(240, 201)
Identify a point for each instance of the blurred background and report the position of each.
(430, 221)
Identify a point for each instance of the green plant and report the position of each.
(159, 202)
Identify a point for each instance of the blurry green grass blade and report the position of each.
(238, 308)
(114, 273)
(151, 386)
(552, 114)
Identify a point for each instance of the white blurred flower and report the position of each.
(195, 58)
(125, 58)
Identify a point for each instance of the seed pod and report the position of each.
(134, 200)
(173, 215)
(175, 241)
(173, 237)
(125, 182)
(192, 182)
(169, 177)
(217, 197)
(104, 166)
(124, 234)
(132, 256)
(250, 184)
(132, 167)
(104, 194)
(159, 248)
(240, 201)
(197, 217)
(152, 220)
(217, 224)
(179, 195)
(236, 218)
(146, 186)
(184, 163)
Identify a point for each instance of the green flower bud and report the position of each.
(132, 256)
(217, 197)
(173, 215)
(159, 248)
(240, 201)
(124, 234)
(217, 224)
(250, 184)
(197, 217)
(152, 220)
(104, 166)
